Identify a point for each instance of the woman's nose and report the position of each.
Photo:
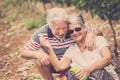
(75, 32)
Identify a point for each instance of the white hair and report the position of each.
(56, 14)
(76, 19)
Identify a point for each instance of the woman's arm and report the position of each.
(61, 64)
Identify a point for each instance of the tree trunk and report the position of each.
(116, 61)
(115, 40)
(114, 36)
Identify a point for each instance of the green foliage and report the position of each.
(102, 8)
(9, 18)
(35, 22)
(7, 3)
(20, 10)
(44, 1)
(62, 2)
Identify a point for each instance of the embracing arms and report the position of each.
(90, 38)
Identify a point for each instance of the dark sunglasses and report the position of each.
(77, 29)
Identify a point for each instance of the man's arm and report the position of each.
(90, 38)
(38, 55)
(29, 54)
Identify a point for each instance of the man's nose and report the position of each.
(62, 32)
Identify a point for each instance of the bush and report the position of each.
(36, 22)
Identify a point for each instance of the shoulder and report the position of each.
(69, 52)
(43, 29)
(101, 42)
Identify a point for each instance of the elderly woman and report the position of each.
(87, 61)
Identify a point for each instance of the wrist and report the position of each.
(49, 47)
(89, 69)
(37, 54)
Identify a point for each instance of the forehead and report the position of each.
(71, 26)
(59, 24)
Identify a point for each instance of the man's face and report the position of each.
(59, 28)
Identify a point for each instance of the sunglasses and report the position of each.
(77, 29)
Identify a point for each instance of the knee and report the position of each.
(41, 64)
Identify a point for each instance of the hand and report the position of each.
(42, 58)
(44, 42)
(82, 73)
(90, 41)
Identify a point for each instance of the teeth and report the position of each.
(78, 34)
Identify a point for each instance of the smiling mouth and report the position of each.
(77, 35)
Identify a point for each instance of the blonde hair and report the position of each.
(56, 14)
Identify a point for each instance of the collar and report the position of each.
(50, 33)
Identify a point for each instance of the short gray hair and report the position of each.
(76, 19)
(56, 14)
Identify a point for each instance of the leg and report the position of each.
(100, 74)
(44, 71)
(63, 78)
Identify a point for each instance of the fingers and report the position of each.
(45, 62)
(42, 39)
(90, 45)
(44, 59)
(83, 78)
(81, 74)
(78, 73)
(90, 41)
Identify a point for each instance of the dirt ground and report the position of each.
(12, 40)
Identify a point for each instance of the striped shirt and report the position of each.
(59, 45)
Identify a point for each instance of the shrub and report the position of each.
(36, 22)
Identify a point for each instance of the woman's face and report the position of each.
(77, 32)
